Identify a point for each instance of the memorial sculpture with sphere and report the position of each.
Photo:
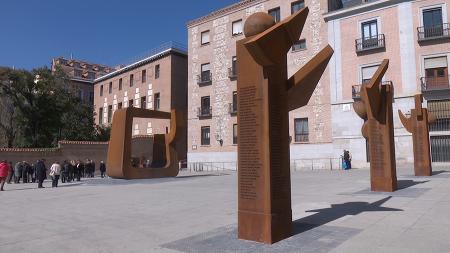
(418, 125)
(375, 107)
(265, 97)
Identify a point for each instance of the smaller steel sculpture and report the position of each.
(418, 125)
(375, 107)
(166, 147)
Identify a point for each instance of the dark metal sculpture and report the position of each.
(375, 107)
(265, 97)
(418, 125)
(165, 147)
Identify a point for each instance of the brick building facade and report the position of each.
(157, 82)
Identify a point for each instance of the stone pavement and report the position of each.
(334, 211)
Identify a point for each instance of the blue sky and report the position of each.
(102, 31)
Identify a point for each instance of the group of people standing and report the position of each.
(69, 171)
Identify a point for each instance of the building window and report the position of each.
(367, 73)
(130, 103)
(205, 73)
(205, 37)
(301, 130)
(369, 31)
(439, 148)
(296, 6)
(144, 102)
(91, 97)
(234, 65)
(275, 13)
(91, 75)
(432, 22)
(206, 138)
(234, 104)
(131, 80)
(157, 70)
(100, 116)
(436, 73)
(144, 76)
(101, 90)
(77, 73)
(120, 84)
(119, 105)
(109, 114)
(235, 134)
(236, 27)
(205, 109)
(156, 101)
(80, 95)
(110, 88)
(299, 45)
(441, 110)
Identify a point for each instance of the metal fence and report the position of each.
(440, 109)
(440, 148)
(295, 164)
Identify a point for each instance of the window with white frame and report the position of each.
(205, 37)
(237, 27)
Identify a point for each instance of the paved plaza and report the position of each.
(334, 211)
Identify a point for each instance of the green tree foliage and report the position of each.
(46, 109)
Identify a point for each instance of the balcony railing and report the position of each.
(435, 83)
(441, 31)
(204, 112)
(370, 43)
(204, 78)
(232, 74)
(232, 108)
(356, 89)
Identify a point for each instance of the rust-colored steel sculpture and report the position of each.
(119, 151)
(375, 107)
(265, 97)
(418, 124)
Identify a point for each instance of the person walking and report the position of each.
(55, 173)
(64, 172)
(41, 172)
(17, 172)
(4, 170)
(102, 169)
(347, 160)
(25, 172)
(93, 168)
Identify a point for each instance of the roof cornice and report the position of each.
(215, 14)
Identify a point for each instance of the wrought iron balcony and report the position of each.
(370, 43)
(232, 74)
(204, 78)
(356, 89)
(435, 83)
(232, 109)
(441, 31)
(204, 112)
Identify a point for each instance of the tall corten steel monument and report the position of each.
(417, 124)
(265, 97)
(375, 107)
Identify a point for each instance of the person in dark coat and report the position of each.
(41, 172)
(26, 168)
(102, 169)
(79, 170)
(18, 168)
(64, 172)
(93, 168)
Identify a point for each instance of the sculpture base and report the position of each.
(384, 184)
(422, 172)
(264, 227)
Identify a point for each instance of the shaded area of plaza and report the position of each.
(333, 211)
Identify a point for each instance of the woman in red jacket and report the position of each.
(4, 168)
